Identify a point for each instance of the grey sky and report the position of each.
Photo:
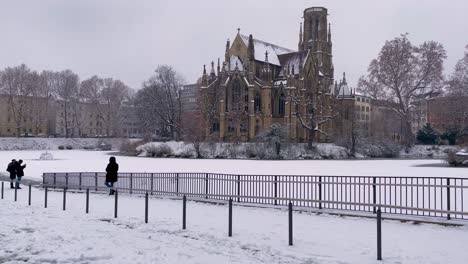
(127, 39)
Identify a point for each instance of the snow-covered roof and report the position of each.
(292, 60)
(261, 47)
(344, 90)
(235, 61)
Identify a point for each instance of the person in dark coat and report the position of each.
(111, 175)
(12, 170)
(19, 172)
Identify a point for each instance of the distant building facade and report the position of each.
(39, 116)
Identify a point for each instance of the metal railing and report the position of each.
(418, 196)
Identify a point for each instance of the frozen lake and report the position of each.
(94, 161)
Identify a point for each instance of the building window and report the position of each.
(257, 102)
(282, 104)
(359, 99)
(236, 90)
(367, 109)
(362, 108)
(215, 127)
(246, 98)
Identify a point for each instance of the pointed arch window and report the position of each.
(246, 99)
(236, 93)
(282, 104)
(257, 102)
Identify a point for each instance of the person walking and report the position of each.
(111, 175)
(11, 168)
(19, 172)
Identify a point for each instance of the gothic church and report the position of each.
(260, 83)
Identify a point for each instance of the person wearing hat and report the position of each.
(12, 170)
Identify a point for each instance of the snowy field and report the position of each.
(94, 161)
(38, 235)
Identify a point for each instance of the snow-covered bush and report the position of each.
(46, 156)
(378, 148)
(130, 147)
(157, 150)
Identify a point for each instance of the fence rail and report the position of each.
(420, 196)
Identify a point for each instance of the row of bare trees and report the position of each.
(403, 73)
(21, 85)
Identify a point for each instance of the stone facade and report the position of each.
(260, 84)
(23, 116)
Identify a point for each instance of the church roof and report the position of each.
(293, 59)
(261, 47)
(235, 61)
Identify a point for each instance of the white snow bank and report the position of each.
(38, 235)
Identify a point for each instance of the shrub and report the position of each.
(131, 147)
(69, 147)
(427, 135)
(157, 150)
(378, 148)
(61, 147)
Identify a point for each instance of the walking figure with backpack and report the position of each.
(11, 168)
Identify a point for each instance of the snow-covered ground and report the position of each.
(94, 161)
(38, 235)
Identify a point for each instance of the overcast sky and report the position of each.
(126, 40)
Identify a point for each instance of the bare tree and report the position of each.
(312, 109)
(67, 91)
(275, 136)
(16, 84)
(159, 100)
(458, 81)
(403, 72)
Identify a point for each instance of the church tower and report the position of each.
(316, 37)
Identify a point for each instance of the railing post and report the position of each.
(152, 183)
(230, 218)
(238, 188)
(448, 198)
(290, 218)
(80, 181)
(276, 189)
(64, 198)
(131, 183)
(116, 195)
(29, 197)
(177, 184)
(87, 200)
(379, 234)
(206, 185)
(45, 197)
(146, 207)
(184, 212)
(374, 194)
(43, 179)
(55, 180)
(320, 192)
(96, 180)
(66, 179)
(16, 193)
(2, 189)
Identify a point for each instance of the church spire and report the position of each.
(218, 68)
(344, 78)
(212, 68)
(329, 33)
(226, 54)
(300, 44)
